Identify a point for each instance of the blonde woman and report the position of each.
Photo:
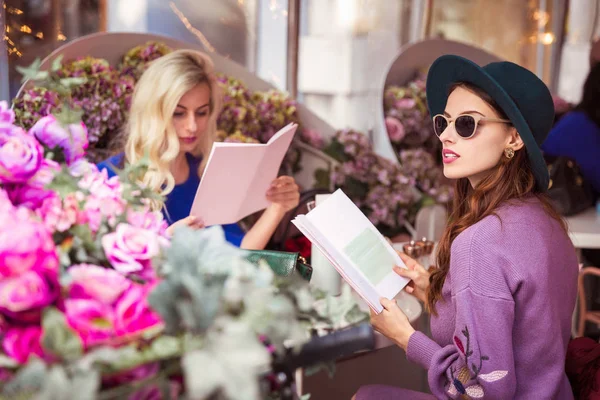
(173, 117)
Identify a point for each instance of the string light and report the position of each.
(25, 28)
(61, 37)
(13, 10)
(547, 38)
(190, 28)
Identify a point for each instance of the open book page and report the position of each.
(353, 245)
(237, 176)
(267, 169)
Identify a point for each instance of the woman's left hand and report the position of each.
(284, 193)
(392, 323)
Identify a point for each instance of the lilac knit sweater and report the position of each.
(504, 322)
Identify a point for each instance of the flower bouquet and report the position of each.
(104, 98)
(96, 301)
(418, 149)
(379, 187)
(136, 60)
(99, 93)
(33, 104)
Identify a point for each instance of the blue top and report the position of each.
(179, 202)
(576, 136)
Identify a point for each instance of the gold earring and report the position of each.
(509, 153)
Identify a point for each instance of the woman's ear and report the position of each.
(514, 140)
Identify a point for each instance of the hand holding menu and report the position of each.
(354, 247)
(237, 176)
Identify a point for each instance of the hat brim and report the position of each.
(450, 69)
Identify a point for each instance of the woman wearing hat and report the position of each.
(503, 294)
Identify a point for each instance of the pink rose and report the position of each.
(23, 297)
(132, 312)
(395, 129)
(62, 215)
(6, 206)
(146, 219)
(82, 167)
(72, 139)
(32, 193)
(7, 116)
(105, 199)
(20, 155)
(130, 249)
(25, 244)
(405, 104)
(99, 184)
(20, 343)
(98, 283)
(313, 138)
(93, 320)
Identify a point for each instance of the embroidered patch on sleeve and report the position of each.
(459, 380)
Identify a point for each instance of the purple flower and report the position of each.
(20, 343)
(313, 138)
(130, 249)
(32, 193)
(34, 104)
(97, 283)
(7, 116)
(93, 320)
(20, 155)
(22, 297)
(395, 129)
(72, 139)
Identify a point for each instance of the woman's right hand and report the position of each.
(418, 275)
(191, 221)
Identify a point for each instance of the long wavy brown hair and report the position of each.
(510, 180)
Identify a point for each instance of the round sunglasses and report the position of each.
(465, 125)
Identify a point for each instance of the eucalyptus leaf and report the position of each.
(58, 338)
(28, 381)
(166, 347)
(72, 82)
(31, 72)
(68, 115)
(231, 363)
(56, 386)
(57, 63)
(86, 384)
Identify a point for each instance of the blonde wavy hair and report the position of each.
(150, 131)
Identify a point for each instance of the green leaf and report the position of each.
(58, 338)
(336, 150)
(31, 72)
(56, 63)
(56, 385)
(85, 384)
(115, 359)
(166, 347)
(27, 381)
(305, 396)
(355, 188)
(322, 178)
(68, 115)
(72, 82)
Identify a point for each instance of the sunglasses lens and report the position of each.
(465, 126)
(439, 124)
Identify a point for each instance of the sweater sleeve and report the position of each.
(479, 363)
